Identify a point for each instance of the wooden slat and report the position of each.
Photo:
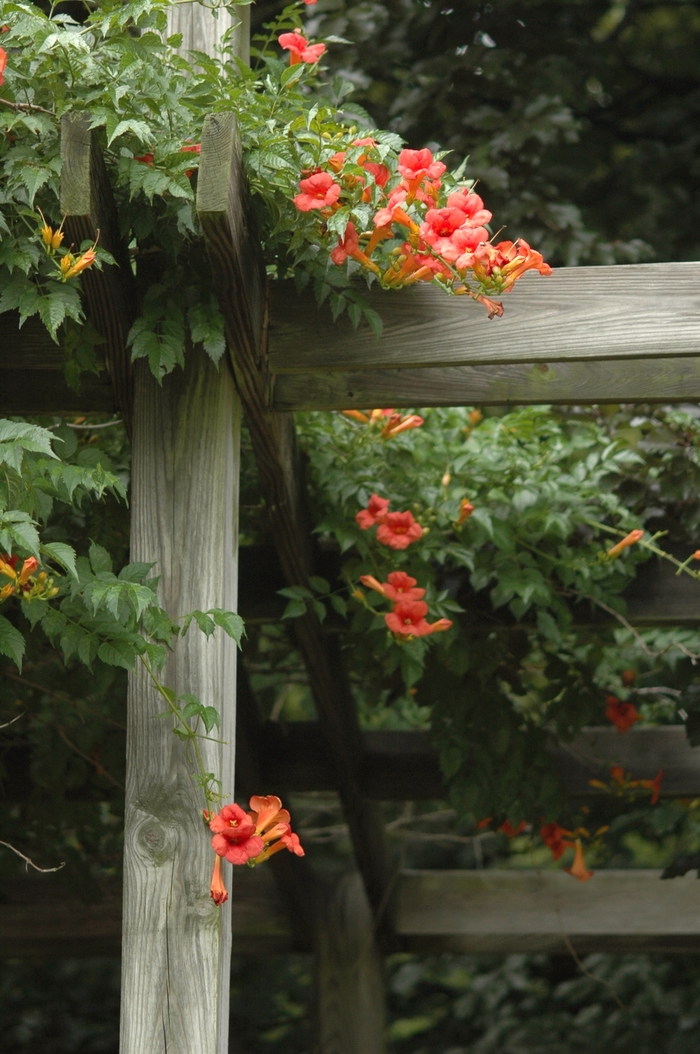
(39, 921)
(633, 311)
(488, 912)
(404, 766)
(662, 380)
(225, 212)
(88, 204)
(176, 949)
(529, 911)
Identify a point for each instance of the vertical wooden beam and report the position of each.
(349, 973)
(225, 212)
(176, 950)
(88, 205)
(203, 29)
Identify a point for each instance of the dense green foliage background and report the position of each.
(580, 118)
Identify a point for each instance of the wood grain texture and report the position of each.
(529, 911)
(225, 212)
(88, 205)
(51, 922)
(46, 392)
(184, 517)
(203, 29)
(632, 311)
(349, 973)
(662, 380)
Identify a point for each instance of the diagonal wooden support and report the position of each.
(88, 205)
(225, 213)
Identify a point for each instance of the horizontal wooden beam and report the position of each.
(404, 766)
(634, 311)
(41, 919)
(662, 380)
(476, 912)
(531, 911)
(33, 382)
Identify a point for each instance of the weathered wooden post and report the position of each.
(349, 973)
(176, 942)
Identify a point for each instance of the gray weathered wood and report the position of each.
(225, 213)
(203, 29)
(88, 205)
(41, 919)
(184, 517)
(633, 311)
(349, 973)
(488, 912)
(662, 380)
(530, 911)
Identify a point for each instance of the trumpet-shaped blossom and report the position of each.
(630, 539)
(396, 424)
(299, 48)
(234, 835)
(622, 715)
(471, 205)
(465, 510)
(556, 838)
(408, 619)
(401, 587)
(370, 582)
(375, 512)
(319, 191)
(347, 245)
(501, 265)
(398, 530)
(415, 165)
(217, 890)
(578, 869)
(3, 63)
(512, 832)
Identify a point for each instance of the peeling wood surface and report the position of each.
(662, 380)
(176, 951)
(632, 311)
(90, 211)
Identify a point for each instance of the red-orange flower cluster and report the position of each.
(557, 839)
(622, 715)
(435, 233)
(249, 837)
(622, 781)
(26, 583)
(299, 48)
(394, 424)
(407, 619)
(395, 529)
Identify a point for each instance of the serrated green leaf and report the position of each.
(63, 554)
(231, 623)
(294, 609)
(11, 642)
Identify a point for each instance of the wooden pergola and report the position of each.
(584, 336)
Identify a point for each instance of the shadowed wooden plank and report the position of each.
(176, 949)
(46, 392)
(88, 204)
(225, 212)
(404, 766)
(579, 313)
(528, 911)
(663, 380)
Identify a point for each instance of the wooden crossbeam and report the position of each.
(404, 766)
(31, 365)
(579, 314)
(662, 380)
(526, 911)
(657, 596)
(90, 211)
(476, 912)
(225, 213)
